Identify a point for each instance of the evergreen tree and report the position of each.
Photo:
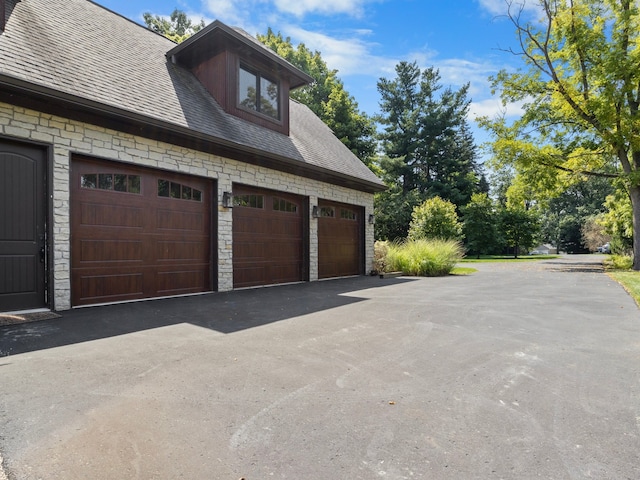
(428, 147)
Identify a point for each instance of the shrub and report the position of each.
(427, 258)
(619, 262)
(380, 251)
(435, 218)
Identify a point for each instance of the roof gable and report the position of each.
(218, 36)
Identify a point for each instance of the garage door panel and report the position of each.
(137, 245)
(180, 282)
(104, 216)
(249, 251)
(180, 220)
(109, 287)
(110, 251)
(181, 250)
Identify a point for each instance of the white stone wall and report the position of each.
(67, 137)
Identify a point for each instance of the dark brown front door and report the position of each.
(137, 233)
(268, 237)
(23, 205)
(340, 239)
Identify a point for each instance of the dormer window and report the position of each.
(247, 79)
(258, 93)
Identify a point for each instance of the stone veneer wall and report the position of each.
(67, 137)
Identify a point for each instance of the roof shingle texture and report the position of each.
(80, 48)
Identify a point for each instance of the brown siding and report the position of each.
(213, 74)
(219, 75)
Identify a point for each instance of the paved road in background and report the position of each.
(519, 371)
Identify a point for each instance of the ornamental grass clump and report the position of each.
(422, 257)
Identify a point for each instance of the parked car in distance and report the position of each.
(539, 252)
(606, 248)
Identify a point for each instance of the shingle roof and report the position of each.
(77, 47)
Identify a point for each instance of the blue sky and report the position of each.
(365, 39)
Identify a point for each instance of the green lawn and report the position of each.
(463, 271)
(630, 281)
(619, 268)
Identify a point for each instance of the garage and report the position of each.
(340, 239)
(138, 233)
(268, 237)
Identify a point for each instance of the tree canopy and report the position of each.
(178, 27)
(427, 144)
(580, 87)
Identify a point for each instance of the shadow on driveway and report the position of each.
(574, 267)
(223, 312)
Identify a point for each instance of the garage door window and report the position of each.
(282, 205)
(111, 181)
(327, 212)
(178, 191)
(251, 201)
(347, 214)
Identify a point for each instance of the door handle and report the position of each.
(42, 254)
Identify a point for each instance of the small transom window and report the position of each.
(251, 201)
(258, 93)
(176, 190)
(116, 182)
(327, 212)
(282, 205)
(347, 214)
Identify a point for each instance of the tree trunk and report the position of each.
(634, 193)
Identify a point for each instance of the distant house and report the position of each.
(132, 167)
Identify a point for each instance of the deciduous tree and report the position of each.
(178, 27)
(580, 87)
(437, 219)
(480, 225)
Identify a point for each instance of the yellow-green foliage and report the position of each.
(619, 262)
(427, 258)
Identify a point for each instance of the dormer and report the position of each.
(246, 78)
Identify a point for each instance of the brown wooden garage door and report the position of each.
(137, 233)
(340, 240)
(268, 237)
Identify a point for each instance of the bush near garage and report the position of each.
(420, 257)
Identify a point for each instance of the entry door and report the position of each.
(22, 227)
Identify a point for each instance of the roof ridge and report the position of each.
(137, 24)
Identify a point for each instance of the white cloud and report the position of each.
(299, 8)
(502, 7)
(493, 107)
(351, 55)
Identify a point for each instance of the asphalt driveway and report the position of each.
(516, 372)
